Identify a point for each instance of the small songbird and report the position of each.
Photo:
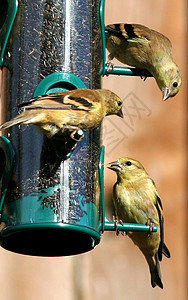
(64, 112)
(144, 48)
(136, 200)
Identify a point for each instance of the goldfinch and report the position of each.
(64, 112)
(136, 200)
(144, 48)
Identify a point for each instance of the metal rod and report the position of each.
(116, 70)
(127, 227)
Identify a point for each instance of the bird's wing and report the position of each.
(162, 247)
(131, 32)
(58, 101)
(159, 208)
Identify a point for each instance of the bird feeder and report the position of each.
(52, 201)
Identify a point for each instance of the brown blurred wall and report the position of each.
(152, 132)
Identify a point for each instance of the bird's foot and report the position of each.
(124, 233)
(75, 132)
(77, 135)
(109, 64)
(73, 138)
(115, 220)
(151, 226)
(144, 75)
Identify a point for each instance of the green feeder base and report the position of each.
(48, 239)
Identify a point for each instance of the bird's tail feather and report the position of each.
(156, 275)
(17, 120)
(165, 251)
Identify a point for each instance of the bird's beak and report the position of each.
(166, 93)
(120, 113)
(115, 166)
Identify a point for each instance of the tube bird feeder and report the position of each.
(52, 200)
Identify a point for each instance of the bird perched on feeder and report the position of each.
(136, 200)
(147, 49)
(64, 112)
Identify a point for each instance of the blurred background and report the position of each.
(153, 132)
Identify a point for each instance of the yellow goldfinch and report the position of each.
(136, 200)
(144, 48)
(64, 112)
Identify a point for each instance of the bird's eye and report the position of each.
(128, 163)
(175, 84)
(119, 103)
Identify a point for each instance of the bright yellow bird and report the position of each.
(136, 200)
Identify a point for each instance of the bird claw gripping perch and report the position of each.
(151, 226)
(144, 75)
(115, 220)
(124, 233)
(75, 137)
(109, 64)
(64, 146)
